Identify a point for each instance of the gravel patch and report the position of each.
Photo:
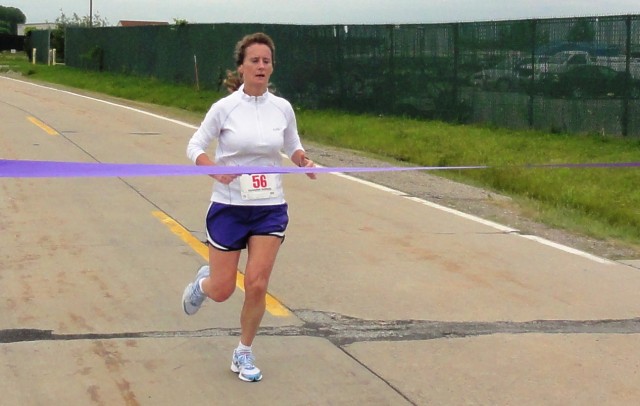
(468, 199)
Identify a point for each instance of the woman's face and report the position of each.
(257, 67)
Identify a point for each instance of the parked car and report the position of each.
(589, 81)
(540, 66)
(567, 60)
(510, 74)
(502, 77)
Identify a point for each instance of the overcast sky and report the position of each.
(320, 11)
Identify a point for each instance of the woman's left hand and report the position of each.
(307, 163)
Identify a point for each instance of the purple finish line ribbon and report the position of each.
(55, 169)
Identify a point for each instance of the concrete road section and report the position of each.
(377, 298)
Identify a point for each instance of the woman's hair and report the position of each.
(234, 80)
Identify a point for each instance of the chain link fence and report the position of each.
(575, 75)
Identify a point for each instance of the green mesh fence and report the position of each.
(39, 40)
(10, 41)
(577, 75)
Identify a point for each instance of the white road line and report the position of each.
(568, 249)
(171, 120)
(467, 216)
(470, 217)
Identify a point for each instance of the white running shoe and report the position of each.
(192, 298)
(242, 364)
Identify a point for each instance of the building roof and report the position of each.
(133, 23)
(38, 26)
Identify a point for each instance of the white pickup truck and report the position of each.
(565, 60)
(557, 63)
(515, 73)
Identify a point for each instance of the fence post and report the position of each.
(33, 55)
(390, 85)
(456, 79)
(625, 101)
(532, 81)
(340, 66)
(195, 65)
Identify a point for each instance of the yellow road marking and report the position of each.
(43, 126)
(274, 307)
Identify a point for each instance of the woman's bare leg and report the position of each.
(223, 269)
(262, 252)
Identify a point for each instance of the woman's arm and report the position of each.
(300, 159)
(204, 160)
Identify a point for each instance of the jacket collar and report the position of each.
(260, 99)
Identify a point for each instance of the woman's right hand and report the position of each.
(203, 159)
(225, 179)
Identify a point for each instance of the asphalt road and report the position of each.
(378, 298)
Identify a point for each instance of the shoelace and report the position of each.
(246, 360)
(196, 298)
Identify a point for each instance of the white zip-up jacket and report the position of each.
(250, 131)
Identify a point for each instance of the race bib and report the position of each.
(254, 187)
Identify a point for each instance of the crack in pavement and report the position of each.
(343, 330)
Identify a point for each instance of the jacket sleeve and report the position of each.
(208, 131)
(291, 137)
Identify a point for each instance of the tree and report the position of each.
(179, 22)
(5, 28)
(10, 17)
(519, 35)
(85, 21)
(62, 22)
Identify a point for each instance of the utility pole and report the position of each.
(91, 13)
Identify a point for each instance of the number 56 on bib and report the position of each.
(258, 186)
